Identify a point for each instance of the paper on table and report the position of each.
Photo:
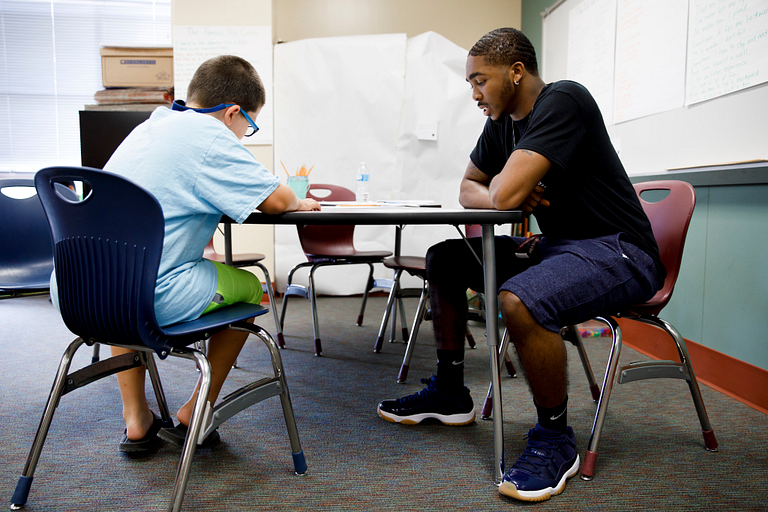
(416, 203)
(347, 203)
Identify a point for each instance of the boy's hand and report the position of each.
(534, 199)
(308, 205)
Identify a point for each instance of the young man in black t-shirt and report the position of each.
(544, 149)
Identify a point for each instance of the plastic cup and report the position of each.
(299, 185)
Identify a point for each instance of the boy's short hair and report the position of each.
(504, 47)
(227, 79)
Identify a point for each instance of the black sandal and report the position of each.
(147, 443)
(178, 434)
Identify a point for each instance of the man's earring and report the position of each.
(517, 83)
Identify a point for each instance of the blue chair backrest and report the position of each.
(26, 252)
(107, 251)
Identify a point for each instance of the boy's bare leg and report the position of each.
(136, 413)
(223, 349)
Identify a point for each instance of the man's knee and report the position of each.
(511, 308)
(517, 318)
(441, 262)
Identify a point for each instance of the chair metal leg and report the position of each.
(95, 356)
(590, 457)
(148, 359)
(262, 389)
(387, 312)
(273, 306)
(486, 412)
(313, 307)
(21, 493)
(195, 425)
(684, 370)
(299, 462)
(292, 289)
(398, 306)
(417, 319)
(398, 302)
(403, 319)
(511, 371)
(368, 286)
(641, 371)
(571, 335)
(470, 339)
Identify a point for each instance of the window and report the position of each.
(50, 68)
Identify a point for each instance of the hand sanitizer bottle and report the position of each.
(362, 178)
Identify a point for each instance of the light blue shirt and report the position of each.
(198, 170)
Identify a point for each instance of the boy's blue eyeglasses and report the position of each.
(179, 105)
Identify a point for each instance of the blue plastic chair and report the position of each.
(26, 252)
(107, 250)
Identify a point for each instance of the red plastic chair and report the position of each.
(329, 245)
(670, 218)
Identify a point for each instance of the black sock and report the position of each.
(554, 418)
(450, 370)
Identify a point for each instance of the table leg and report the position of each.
(492, 333)
(228, 244)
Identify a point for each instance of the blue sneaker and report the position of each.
(430, 402)
(541, 471)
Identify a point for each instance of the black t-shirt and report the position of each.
(590, 193)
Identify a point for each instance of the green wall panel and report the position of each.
(736, 276)
(685, 309)
(721, 297)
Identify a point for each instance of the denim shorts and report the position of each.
(575, 281)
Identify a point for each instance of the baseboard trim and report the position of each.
(738, 379)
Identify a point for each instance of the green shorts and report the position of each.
(234, 285)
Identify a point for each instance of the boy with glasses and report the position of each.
(191, 159)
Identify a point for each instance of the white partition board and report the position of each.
(402, 106)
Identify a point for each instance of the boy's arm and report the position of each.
(283, 199)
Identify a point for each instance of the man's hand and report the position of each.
(534, 199)
(308, 205)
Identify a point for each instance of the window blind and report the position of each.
(50, 68)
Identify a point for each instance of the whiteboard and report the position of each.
(729, 127)
(730, 39)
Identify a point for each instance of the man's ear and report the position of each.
(516, 71)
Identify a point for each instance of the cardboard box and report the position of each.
(136, 67)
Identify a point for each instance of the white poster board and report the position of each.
(727, 47)
(650, 48)
(402, 106)
(338, 103)
(193, 45)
